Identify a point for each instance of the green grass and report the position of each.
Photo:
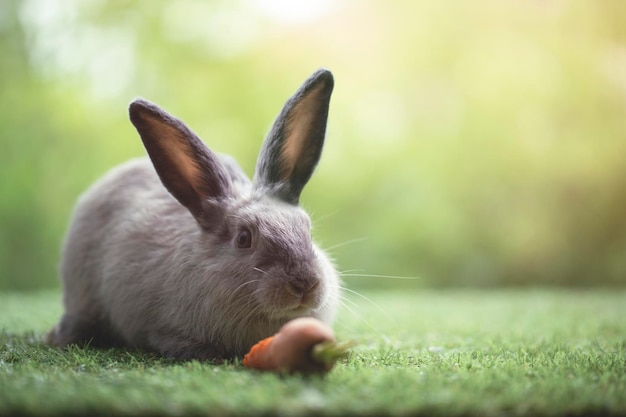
(482, 353)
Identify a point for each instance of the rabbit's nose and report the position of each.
(303, 287)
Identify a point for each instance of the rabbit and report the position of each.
(181, 254)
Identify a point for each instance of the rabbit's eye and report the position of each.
(244, 239)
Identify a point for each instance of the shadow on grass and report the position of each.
(30, 348)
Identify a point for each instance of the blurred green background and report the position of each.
(470, 143)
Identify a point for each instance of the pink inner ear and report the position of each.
(170, 152)
(301, 118)
(178, 153)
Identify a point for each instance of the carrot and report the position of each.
(303, 345)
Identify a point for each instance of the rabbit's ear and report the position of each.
(190, 171)
(294, 144)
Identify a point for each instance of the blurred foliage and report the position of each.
(473, 143)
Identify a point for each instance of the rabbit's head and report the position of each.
(255, 253)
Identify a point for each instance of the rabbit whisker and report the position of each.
(344, 304)
(316, 219)
(233, 292)
(379, 276)
(347, 242)
(369, 300)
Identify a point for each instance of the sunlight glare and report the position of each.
(293, 11)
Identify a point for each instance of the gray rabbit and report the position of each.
(184, 255)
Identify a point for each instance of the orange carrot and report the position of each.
(303, 345)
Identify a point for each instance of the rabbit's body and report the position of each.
(207, 265)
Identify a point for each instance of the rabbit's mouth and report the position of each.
(291, 309)
(303, 309)
(305, 300)
(299, 307)
(291, 299)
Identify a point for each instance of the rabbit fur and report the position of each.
(182, 254)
